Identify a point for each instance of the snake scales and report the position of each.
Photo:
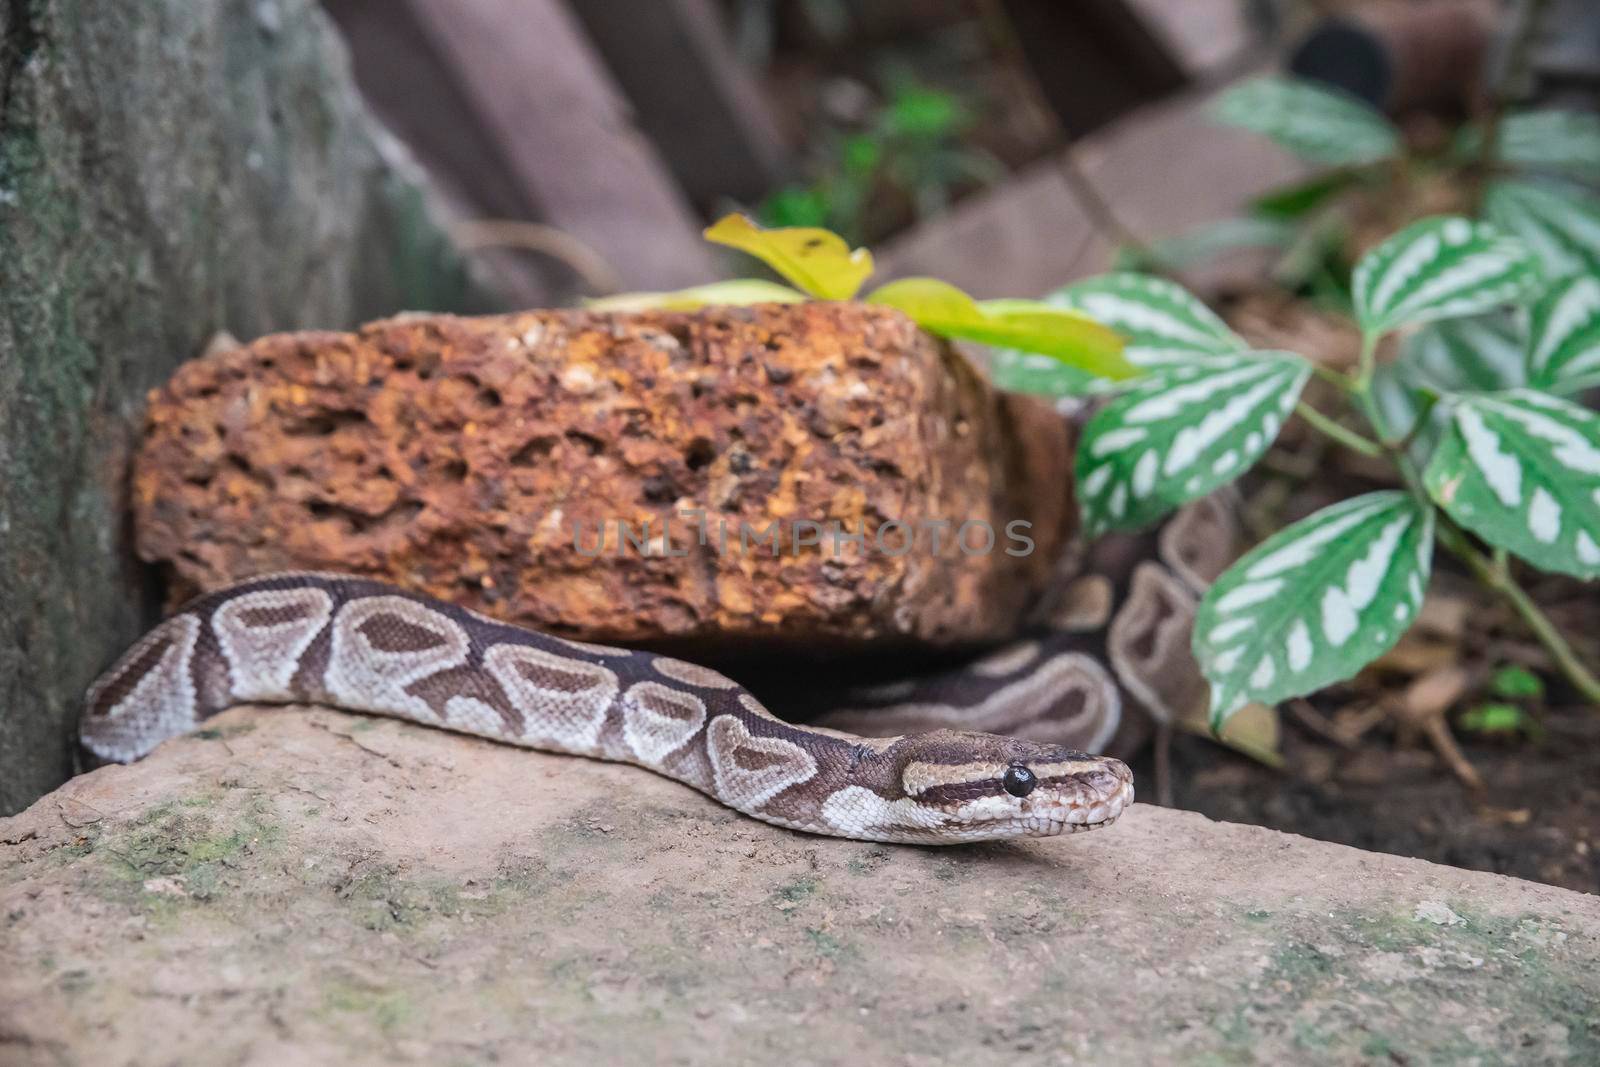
(366, 646)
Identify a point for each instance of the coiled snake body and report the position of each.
(366, 646)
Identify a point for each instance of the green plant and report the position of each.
(912, 149)
(1503, 717)
(1536, 170)
(1496, 719)
(1493, 460)
(823, 266)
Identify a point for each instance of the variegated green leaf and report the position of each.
(1316, 602)
(1480, 354)
(1476, 355)
(1560, 223)
(1322, 124)
(1441, 268)
(1561, 141)
(1180, 432)
(1297, 201)
(1521, 469)
(1397, 401)
(1564, 336)
(1029, 372)
(1162, 322)
(1206, 242)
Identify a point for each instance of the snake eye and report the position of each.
(1019, 781)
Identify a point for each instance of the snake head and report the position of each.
(985, 787)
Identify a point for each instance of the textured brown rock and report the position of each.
(476, 459)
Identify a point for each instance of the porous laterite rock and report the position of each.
(477, 459)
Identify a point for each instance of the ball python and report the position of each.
(366, 646)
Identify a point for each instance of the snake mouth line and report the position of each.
(1076, 816)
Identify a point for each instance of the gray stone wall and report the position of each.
(168, 169)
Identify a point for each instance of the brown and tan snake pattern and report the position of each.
(1066, 687)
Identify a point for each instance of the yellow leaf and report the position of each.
(1069, 336)
(737, 292)
(1253, 730)
(816, 260)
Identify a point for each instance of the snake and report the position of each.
(1048, 702)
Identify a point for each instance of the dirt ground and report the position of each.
(1537, 818)
(1537, 815)
(302, 886)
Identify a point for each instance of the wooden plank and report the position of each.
(1168, 169)
(690, 95)
(536, 87)
(1206, 36)
(402, 79)
(1163, 170)
(1094, 60)
(1017, 239)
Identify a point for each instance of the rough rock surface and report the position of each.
(479, 459)
(168, 169)
(302, 886)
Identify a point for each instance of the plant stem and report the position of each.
(1404, 444)
(1497, 577)
(1333, 377)
(1495, 574)
(1369, 352)
(1349, 438)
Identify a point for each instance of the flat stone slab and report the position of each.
(303, 886)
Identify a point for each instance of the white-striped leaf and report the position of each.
(1180, 432)
(1029, 372)
(1321, 124)
(1397, 401)
(1566, 142)
(1561, 224)
(1479, 354)
(1521, 469)
(1207, 242)
(1162, 322)
(1476, 355)
(1316, 602)
(1441, 268)
(1564, 336)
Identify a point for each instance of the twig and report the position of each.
(582, 260)
(1163, 745)
(1364, 722)
(1317, 723)
(1101, 215)
(1444, 743)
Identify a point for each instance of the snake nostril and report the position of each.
(1105, 782)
